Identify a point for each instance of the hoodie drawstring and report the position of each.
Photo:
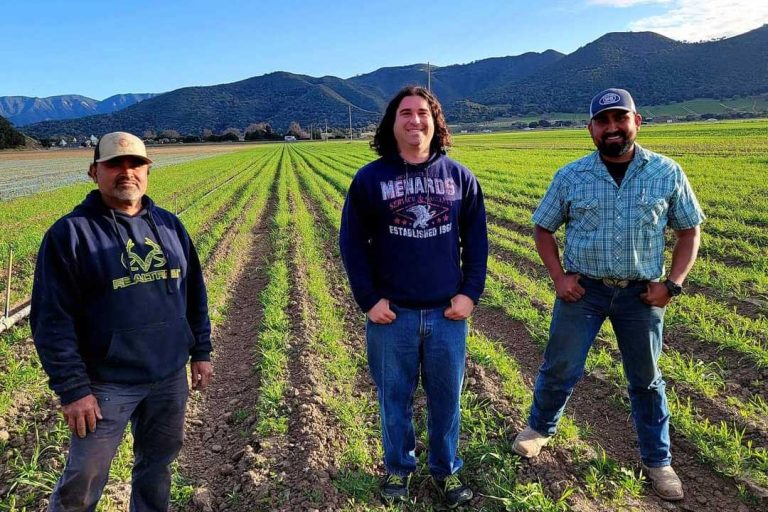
(156, 232)
(123, 245)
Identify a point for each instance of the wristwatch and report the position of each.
(673, 288)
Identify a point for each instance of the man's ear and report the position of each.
(92, 172)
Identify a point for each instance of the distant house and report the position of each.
(290, 138)
(94, 140)
(62, 143)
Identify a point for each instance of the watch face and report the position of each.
(674, 289)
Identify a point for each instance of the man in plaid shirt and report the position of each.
(615, 204)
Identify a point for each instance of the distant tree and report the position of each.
(170, 134)
(296, 130)
(533, 124)
(233, 131)
(259, 131)
(188, 139)
(150, 134)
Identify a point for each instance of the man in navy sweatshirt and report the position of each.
(414, 244)
(118, 308)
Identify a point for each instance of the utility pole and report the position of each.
(429, 77)
(350, 123)
(326, 130)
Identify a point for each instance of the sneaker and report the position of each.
(665, 482)
(529, 443)
(394, 488)
(452, 491)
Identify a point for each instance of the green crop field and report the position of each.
(292, 423)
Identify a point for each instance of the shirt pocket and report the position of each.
(586, 214)
(650, 210)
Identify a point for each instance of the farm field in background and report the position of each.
(674, 111)
(291, 421)
(24, 173)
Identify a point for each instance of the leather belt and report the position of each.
(613, 282)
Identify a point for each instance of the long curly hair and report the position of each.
(384, 142)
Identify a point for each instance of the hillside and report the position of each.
(23, 110)
(9, 137)
(657, 70)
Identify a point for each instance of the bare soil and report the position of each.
(611, 426)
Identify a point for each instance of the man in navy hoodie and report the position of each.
(118, 308)
(414, 244)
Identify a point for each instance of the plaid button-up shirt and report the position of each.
(613, 231)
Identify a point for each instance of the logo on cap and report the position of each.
(610, 99)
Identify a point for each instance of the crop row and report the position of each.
(22, 177)
(175, 188)
(24, 382)
(485, 430)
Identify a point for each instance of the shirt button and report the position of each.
(618, 238)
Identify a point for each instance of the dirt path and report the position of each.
(218, 421)
(611, 426)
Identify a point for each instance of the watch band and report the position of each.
(673, 288)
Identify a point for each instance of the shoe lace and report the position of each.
(395, 480)
(451, 482)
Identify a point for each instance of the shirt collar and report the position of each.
(597, 167)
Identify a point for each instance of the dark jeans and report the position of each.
(638, 329)
(419, 342)
(156, 413)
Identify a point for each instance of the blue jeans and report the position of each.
(638, 329)
(419, 341)
(156, 413)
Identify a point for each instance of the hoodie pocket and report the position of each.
(150, 345)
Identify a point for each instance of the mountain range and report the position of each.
(656, 69)
(23, 110)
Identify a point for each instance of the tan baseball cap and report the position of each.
(116, 144)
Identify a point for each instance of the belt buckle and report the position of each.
(615, 283)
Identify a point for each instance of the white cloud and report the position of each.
(698, 20)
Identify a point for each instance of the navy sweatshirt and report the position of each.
(117, 298)
(414, 234)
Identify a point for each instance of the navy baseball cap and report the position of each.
(611, 99)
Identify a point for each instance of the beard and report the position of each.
(127, 193)
(614, 149)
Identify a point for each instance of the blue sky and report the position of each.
(102, 48)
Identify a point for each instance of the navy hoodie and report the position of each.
(117, 298)
(414, 234)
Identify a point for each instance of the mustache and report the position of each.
(614, 134)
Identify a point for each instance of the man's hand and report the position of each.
(656, 294)
(81, 415)
(568, 288)
(460, 309)
(381, 314)
(202, 373)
